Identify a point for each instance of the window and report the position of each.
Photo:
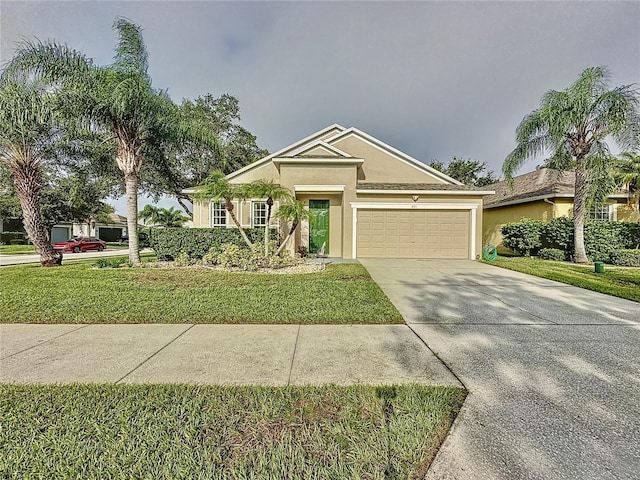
(218, 214)
(258, 214)
(601, 213)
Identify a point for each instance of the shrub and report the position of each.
(13, 238)
(211, 257)
(168, 243)
(522, 237)
(552, 254)
(183, 260)
(303, 251)
(629, 234)
(627, 257)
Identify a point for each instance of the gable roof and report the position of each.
(320, 139)
(537, 185)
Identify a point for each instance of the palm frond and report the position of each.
(131, 52)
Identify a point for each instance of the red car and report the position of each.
(80, 244)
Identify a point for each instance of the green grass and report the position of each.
(623, 282)
(222, 432)
(79, 293)
(17, 249)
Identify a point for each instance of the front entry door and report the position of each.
(319, 226)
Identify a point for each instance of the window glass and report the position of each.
(258, 214)
(218, 214)
(600, 213)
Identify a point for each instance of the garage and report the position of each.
(60, 234)
(109, 234)
(408, 233)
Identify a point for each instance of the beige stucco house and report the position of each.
(368, 199)
(545, 194)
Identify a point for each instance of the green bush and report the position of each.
(522, 237)
(253, 259)
(627, 257)
(558, 233)
(629, 234)
(168, 243)
(13, 238)
(552, 254)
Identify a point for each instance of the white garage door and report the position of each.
(412, 234)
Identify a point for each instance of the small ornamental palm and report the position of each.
(170, 217)
(272, 192)
(626, 171)
(217, 187)
(292, 212)
(572, 125)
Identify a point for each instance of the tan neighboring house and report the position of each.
(111, 231)
(368, 200)
(544, 194)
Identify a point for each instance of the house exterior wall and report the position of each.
(376, 167)
(495, 218)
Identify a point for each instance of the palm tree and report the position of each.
(573, 124)
(149, 214)
(171, 217)
(119, 101)
(272, 192)
(626, 171)
(217, 187)
(293, 212)
(28, 130)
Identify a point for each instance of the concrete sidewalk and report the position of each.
(217, 354)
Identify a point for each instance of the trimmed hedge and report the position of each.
(13, 238)
(628, 257)
(601, 238)
(169, 243)
(552, 254)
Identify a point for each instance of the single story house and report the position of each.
(544, 194)
(368, 199)
(109, 231)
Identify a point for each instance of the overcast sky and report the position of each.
(433, 79)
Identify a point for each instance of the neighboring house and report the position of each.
(109, 232)
(368, 199)
(544, 194)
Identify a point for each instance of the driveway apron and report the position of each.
(553, 370)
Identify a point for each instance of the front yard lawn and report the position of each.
(80, 293)
(17, 249)
(222, 432)
(621, 282)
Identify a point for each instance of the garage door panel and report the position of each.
(413, 233)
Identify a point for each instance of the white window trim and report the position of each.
(251, 220)
(472, 207)
(318, 188)
(211, 217)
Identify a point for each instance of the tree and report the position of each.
(272, 192)
(573, 125)
(466, 171)
(292, 212)
(29, 127)
(216, 187)
(170, 217)
(190, 163)
(119, 101)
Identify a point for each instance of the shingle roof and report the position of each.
(418, 186)
(541, 183)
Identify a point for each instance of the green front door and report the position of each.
(319, 226)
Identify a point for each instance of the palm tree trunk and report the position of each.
(284, 243)
(579, 203)
(229, 206)
(131, 193)
(266, 227)
(27, 180)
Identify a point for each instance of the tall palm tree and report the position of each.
(119, 101)
(217, 187)
(292, 212)
(28, 130)
(272, 192)
(573, 125)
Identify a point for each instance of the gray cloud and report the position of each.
(434, 79)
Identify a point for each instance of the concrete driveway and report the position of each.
(553, 370)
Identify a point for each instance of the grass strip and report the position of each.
(222, 432)
(79, 293)
(623, 282)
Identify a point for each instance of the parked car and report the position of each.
(123, 239)
(80, 244)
